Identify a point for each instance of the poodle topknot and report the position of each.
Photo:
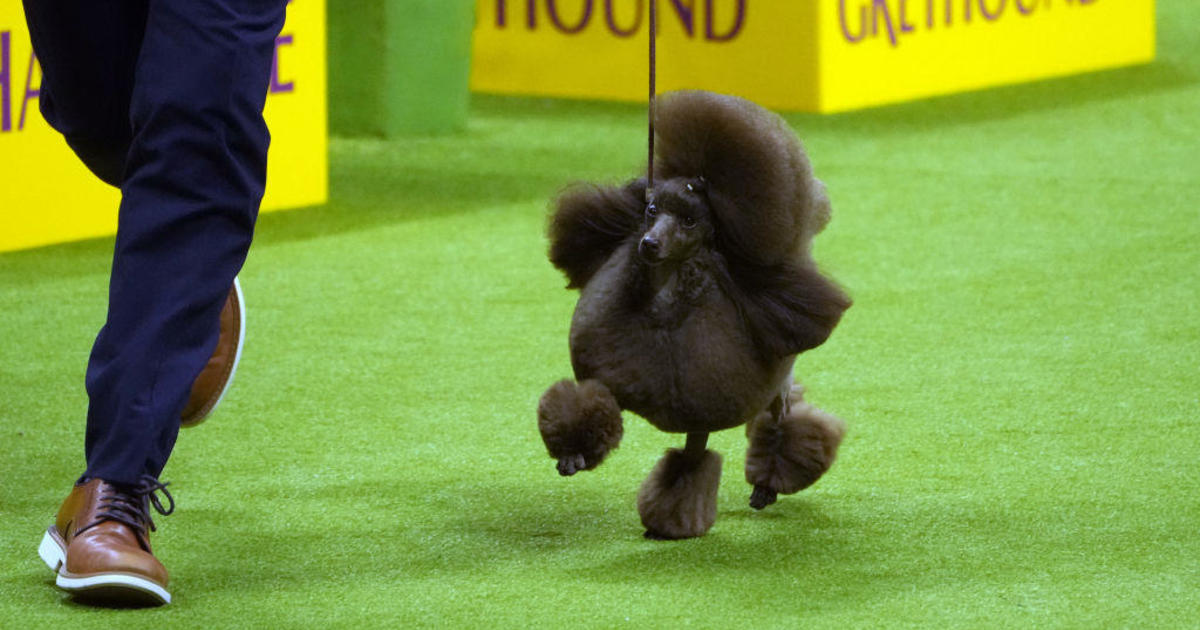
(693, 307)
(761, 186)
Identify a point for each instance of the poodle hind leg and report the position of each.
(580, 424)
(790, 448)
(679, 498)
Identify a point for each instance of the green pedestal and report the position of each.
(399, 67)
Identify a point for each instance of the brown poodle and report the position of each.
(693, 307)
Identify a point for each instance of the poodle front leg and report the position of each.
(580, 424)
(679, 498)
(790, 448)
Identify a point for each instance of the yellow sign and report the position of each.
(882, 52)
(801, 55)
(48, 196)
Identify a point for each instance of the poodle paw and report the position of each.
(679, 498)
(580, 424)
(570, 464)
(790, 455)
(762, 497)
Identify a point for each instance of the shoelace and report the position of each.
(130, 505)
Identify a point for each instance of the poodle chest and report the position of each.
(672, 349)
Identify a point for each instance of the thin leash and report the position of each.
(653, 98)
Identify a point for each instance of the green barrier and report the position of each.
(399, 67)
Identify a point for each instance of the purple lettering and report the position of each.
(530, 13)
(876, 6)
(989, 15)
(905, 25)
(552, 9)
(862, 20)
(711, 33)
(5, 84)
(612, 19)
(685, 11)
(687, 15)
(30, 92)
(276, 86)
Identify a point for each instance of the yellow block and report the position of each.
(801, 55)
(884, 52)
(48, 196)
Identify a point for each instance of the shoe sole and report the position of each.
(237, 358)
(113, 589)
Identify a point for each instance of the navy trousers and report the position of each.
(164, 99)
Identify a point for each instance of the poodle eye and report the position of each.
(696, 186)
(689, 221)
(651, 210)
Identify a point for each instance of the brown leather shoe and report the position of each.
(209, 388)
(100, 547)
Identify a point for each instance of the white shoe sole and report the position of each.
(51, 551)
(237, 358)
(121, 588)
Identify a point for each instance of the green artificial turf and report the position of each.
(1019, 375)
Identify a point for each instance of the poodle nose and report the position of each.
(650, 248)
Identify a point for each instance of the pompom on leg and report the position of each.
(679, 498)
(580, 424)
(790, 451)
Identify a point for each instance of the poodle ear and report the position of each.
(589, 222)
(788, 308)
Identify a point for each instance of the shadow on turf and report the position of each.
(76, 603)
(377, 533)
(419, 531)
(571, 519)
(441, 530)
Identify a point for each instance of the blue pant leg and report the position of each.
(194, 177)
(88, 52)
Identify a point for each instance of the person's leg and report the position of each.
(193, 181)
(191, 178)
(88, 52)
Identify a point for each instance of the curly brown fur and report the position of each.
(767, 206)
(589, 222)
(789, 455)
(767, 202)
(789, 308)
(580, 424)
(679, 498)
(692, 309)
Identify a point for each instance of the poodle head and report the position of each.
(764, 198)
(678, 221)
